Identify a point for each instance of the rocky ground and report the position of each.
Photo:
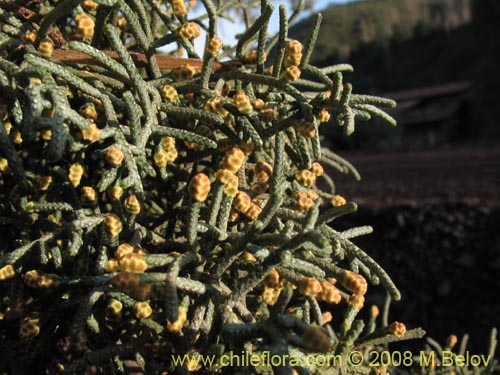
(436, 226)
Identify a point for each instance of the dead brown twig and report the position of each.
(165, 62)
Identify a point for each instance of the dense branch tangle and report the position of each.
(159, 202)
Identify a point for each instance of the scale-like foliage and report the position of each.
(159, 206)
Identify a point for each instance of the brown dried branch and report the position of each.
(165, 62)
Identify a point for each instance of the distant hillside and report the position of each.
(396, 44)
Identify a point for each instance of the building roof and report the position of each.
(448, 89)
(431, 104)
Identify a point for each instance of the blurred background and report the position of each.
(431, 186)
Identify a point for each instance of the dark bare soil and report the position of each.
(471, 174)
(436, 219)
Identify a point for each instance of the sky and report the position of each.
(228, 30)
